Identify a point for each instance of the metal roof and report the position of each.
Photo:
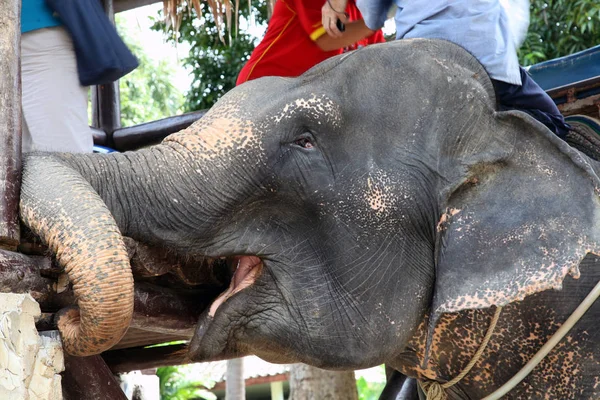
(254, 367)
(575, 70)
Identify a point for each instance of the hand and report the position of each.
(332, 11)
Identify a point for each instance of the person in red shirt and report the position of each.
(296, 41)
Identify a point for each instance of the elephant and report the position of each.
(376, 209)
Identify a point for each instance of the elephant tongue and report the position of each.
(247, 270)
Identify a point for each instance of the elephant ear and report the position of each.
(521, 212)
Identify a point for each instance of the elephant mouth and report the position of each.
(211, 342)
(244, 271)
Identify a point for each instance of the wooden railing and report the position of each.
(106, 126)
(149, 133)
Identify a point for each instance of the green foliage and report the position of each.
(178, 383)
(368, 390)
(147, 93)
(215, 65)
(559, 28)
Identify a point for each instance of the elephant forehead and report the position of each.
(317, 107)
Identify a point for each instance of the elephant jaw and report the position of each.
(247, 269)
(210, 341)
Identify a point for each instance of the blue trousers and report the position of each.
(532, 99)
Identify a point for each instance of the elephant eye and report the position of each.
(304, 142)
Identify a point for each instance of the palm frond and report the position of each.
(224, 12)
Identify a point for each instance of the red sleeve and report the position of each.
(309, 14)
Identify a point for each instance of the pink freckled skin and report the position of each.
(570, 371)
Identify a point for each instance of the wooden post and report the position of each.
(235, 385)
(277, 390)
(89, 378)
(106, 105)
(10, 122)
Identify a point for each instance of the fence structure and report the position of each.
(160, 314)
(166, 313)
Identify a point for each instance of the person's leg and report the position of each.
(54, 103)
(532, 99)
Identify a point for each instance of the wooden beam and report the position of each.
(589, 106)
(156, 309)
(152, 261)
(10, 122)
(575, 88)
(150, 133)
(23, 274)
(126, 360)
(159, 309)
(89, 378)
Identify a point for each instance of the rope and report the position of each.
(435, 390)
(546, 348)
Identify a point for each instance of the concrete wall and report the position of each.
(30, 364)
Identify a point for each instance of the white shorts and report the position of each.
(55, 114)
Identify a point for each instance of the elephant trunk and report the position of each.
(60, 206)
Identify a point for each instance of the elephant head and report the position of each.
(379, 188)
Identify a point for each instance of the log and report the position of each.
(135, 137)
(163, 310)
(148, 261)
(10, 122)
(125, 360)
(156, 308)
(23, 274)
(89, 378)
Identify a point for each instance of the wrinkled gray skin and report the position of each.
(390, 203)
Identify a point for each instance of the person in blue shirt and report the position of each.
(480, 26)
(54, 104)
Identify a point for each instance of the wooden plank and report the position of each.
(157, 309)
(136, 337)
(126, 360)
(89, 378)
(575, 87)
(23, 274)
(10, 122)
(589, 106)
